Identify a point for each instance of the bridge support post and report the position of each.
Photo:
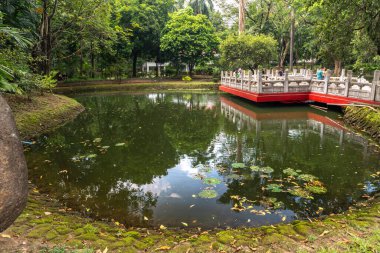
(327, 79)
(286, 82)
(347, 84)
(259, 81)
(241, 79)
(375, 82)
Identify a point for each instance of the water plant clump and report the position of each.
(211, 181)
(266, 170)
(208, 194)
(238, 166)
(290, 172)
(274, 188)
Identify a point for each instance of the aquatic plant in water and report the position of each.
(208, 194)
(211, 181)
(307, 177)
(274, 188)
(238, 165)
(266, 169)
(300, 192)
(290, 172)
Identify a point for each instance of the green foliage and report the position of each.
(186, 78)
(188, 39)
(247, 51)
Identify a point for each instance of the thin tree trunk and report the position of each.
(241, 17)
(283, 55)
(134, 65)
(337, 67)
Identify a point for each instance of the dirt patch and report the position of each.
(42, 113)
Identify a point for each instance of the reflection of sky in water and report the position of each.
(171, 139)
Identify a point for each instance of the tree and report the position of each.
(189, 39)
(248, 51)
(204, 7)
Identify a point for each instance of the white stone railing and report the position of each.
(304, 81)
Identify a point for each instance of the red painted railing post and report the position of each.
(375, 82)
(347, 84)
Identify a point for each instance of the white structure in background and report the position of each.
(148, 67)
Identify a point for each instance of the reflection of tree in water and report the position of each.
(155, 133)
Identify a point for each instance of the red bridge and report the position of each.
(301, 87)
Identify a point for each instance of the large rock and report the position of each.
(13, 169)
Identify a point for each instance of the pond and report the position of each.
(202, 160)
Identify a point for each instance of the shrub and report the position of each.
(186, 78)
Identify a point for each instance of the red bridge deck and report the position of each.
(296, 97)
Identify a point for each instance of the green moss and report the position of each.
(78, 231)
(88, 237)
(303, 229)
(133, 234)
(88, 228)
(225, 237)
(74, 243)
(140, 245)
(63, 230)
(50, 235)
(42, 220)
(39, 231)
(274, 238)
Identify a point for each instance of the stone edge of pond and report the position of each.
(42, 113)
(45, 224)
(365, 119)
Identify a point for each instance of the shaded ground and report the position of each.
(47, 226)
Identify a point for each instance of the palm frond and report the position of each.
(15, 34)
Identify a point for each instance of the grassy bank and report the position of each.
(366, 119)
(173, 85)
(46, 225)
(42, 113)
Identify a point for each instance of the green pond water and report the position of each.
(202, 160)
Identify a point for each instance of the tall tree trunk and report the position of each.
(45, 44)
(337, 67)
(283, 55)
(241, 17)
(291, 39)
(134, 64)
(92, 61)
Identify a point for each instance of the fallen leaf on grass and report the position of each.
(5, 236)
(163, 227)
(185, 224)
(324, 233)
(163, 248)
(146, 218)
(47, 213)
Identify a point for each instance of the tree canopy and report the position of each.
(189, 39)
